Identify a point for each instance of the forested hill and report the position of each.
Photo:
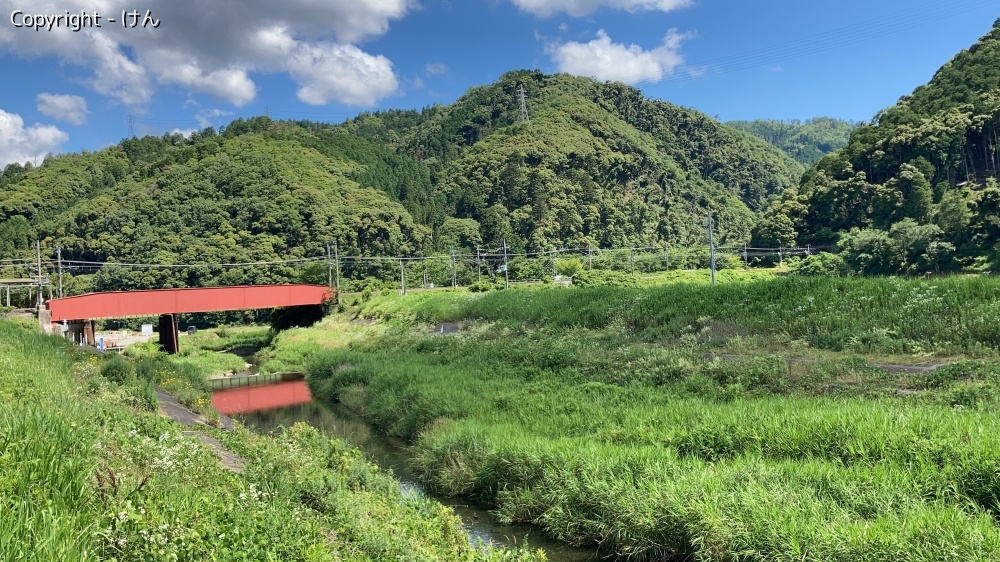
(805, 141)
(597, 163)
(919, 183)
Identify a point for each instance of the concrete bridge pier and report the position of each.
(168, 333)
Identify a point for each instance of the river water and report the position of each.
(391, 454)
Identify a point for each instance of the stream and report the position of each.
(390, 454)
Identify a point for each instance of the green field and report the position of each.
(89, 471)
(595, 414)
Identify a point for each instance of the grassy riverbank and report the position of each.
(595, 414)
(89, 471)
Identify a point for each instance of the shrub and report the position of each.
(118, 370)
(821, 264)
(604, 278)
(569, 267)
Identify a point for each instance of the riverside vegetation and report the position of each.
(89, 471)
(595, 414)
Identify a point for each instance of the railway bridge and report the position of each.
(77, 314)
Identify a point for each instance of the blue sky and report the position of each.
(208, 63)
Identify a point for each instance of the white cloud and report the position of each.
(216, 47)
(435, 68)
(204, 118)
(24, 144)
(329, 71)
(602, 59)
(578, 8)
(63, 107)
(418, 83)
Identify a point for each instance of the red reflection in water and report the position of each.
(264, 397)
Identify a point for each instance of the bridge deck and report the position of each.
(122, 304)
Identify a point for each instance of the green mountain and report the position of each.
(916, 189)
(806, 141)
(595, 164)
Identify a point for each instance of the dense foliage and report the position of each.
(597, 164)
(932, 158)
(806, 141)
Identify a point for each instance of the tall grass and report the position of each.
(949, 315)
(45, 454)
(563, 408)
(88, 474)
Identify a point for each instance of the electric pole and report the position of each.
(454, 273)
(506, 274)
(336, 261)
(402, 277)
(59, 262)
(711, 247)
(479, 266)
(38, 253)
(329, 267)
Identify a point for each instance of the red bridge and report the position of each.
(79, 312)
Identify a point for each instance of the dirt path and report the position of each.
(171, 408)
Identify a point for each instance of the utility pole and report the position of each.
(479, 266)
(506, 274)
(590, 259)
(454, 272)
(336, 258)
(746, 261)
(38, 253)
(523, 104)
(631, 261)
(329, 267)
(59, 261)
(402, 277)
(711, 247)
(424, 260)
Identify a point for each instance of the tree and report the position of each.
(773, 231)
(16, 234)
(918, 197)
(868, 252)
(459, 233)
(822, 264)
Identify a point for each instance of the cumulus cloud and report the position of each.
(330, 71)
(603, 59)
(578, 8)
(216, 47)
(24, 144)
(63, 107)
